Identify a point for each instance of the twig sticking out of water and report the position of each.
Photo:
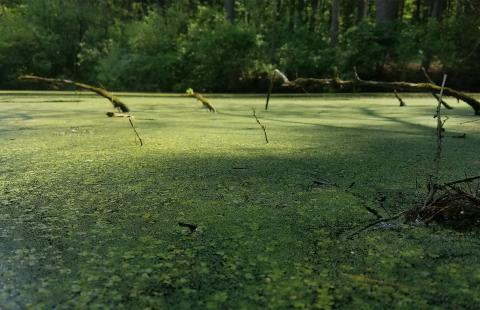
(429, 80)
(261, 125)
(402, 103)
(112, 114)
(433, 183)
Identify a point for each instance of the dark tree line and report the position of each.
(231, 45)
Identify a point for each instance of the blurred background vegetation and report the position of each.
(231, 46)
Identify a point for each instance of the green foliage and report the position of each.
(20, 48)
(163, 52)
(306, 54)
(215, 54)
(169, 45)
(144, 53)
(363, 48)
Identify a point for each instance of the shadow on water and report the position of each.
(101, 212)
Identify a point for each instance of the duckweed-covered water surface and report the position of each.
(88, 219)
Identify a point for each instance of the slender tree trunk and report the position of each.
(291, 15)
(230, 10)
(276, 8)
(334, 25)
(313, 16)
(363, 9)
(401, 9)
(387, 10)
(418, 10)
(437, 7)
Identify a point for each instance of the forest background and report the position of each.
(233, 46)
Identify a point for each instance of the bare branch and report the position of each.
(261, 125)
(99, 91)
(206, 104)
(402, 103)
(399, 86)
(429, 80)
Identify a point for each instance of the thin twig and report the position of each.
(470, 197)
(438, 154)
(360, 196)
(113, 114)
(470, 179)
(431, 218)
(402, 103)
(135, 130)
(382, 220)
(279, 75)
(261, 125)
(270, 87)
(468, 183)
(429, 80)
(476, 120)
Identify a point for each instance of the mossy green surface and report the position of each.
(88, 219)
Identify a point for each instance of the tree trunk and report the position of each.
(437, 7)
(387, 10)
(291, 15)
(230, 10)
(313, 15)
(335, 16)
(301, 12)
(418, 10)
(401, 9)
(363, 9)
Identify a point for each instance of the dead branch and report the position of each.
(261, 125)
(270, 87)
(99, 91)
(277, 74)
(348, 190)
(113, 114)
(203, 100)
(130, 120)
(306, 83)
(381, 220)
(469, 196)
(135, 130)
(466, 180)
(429, 80)
(402, 103)
(433, 186)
